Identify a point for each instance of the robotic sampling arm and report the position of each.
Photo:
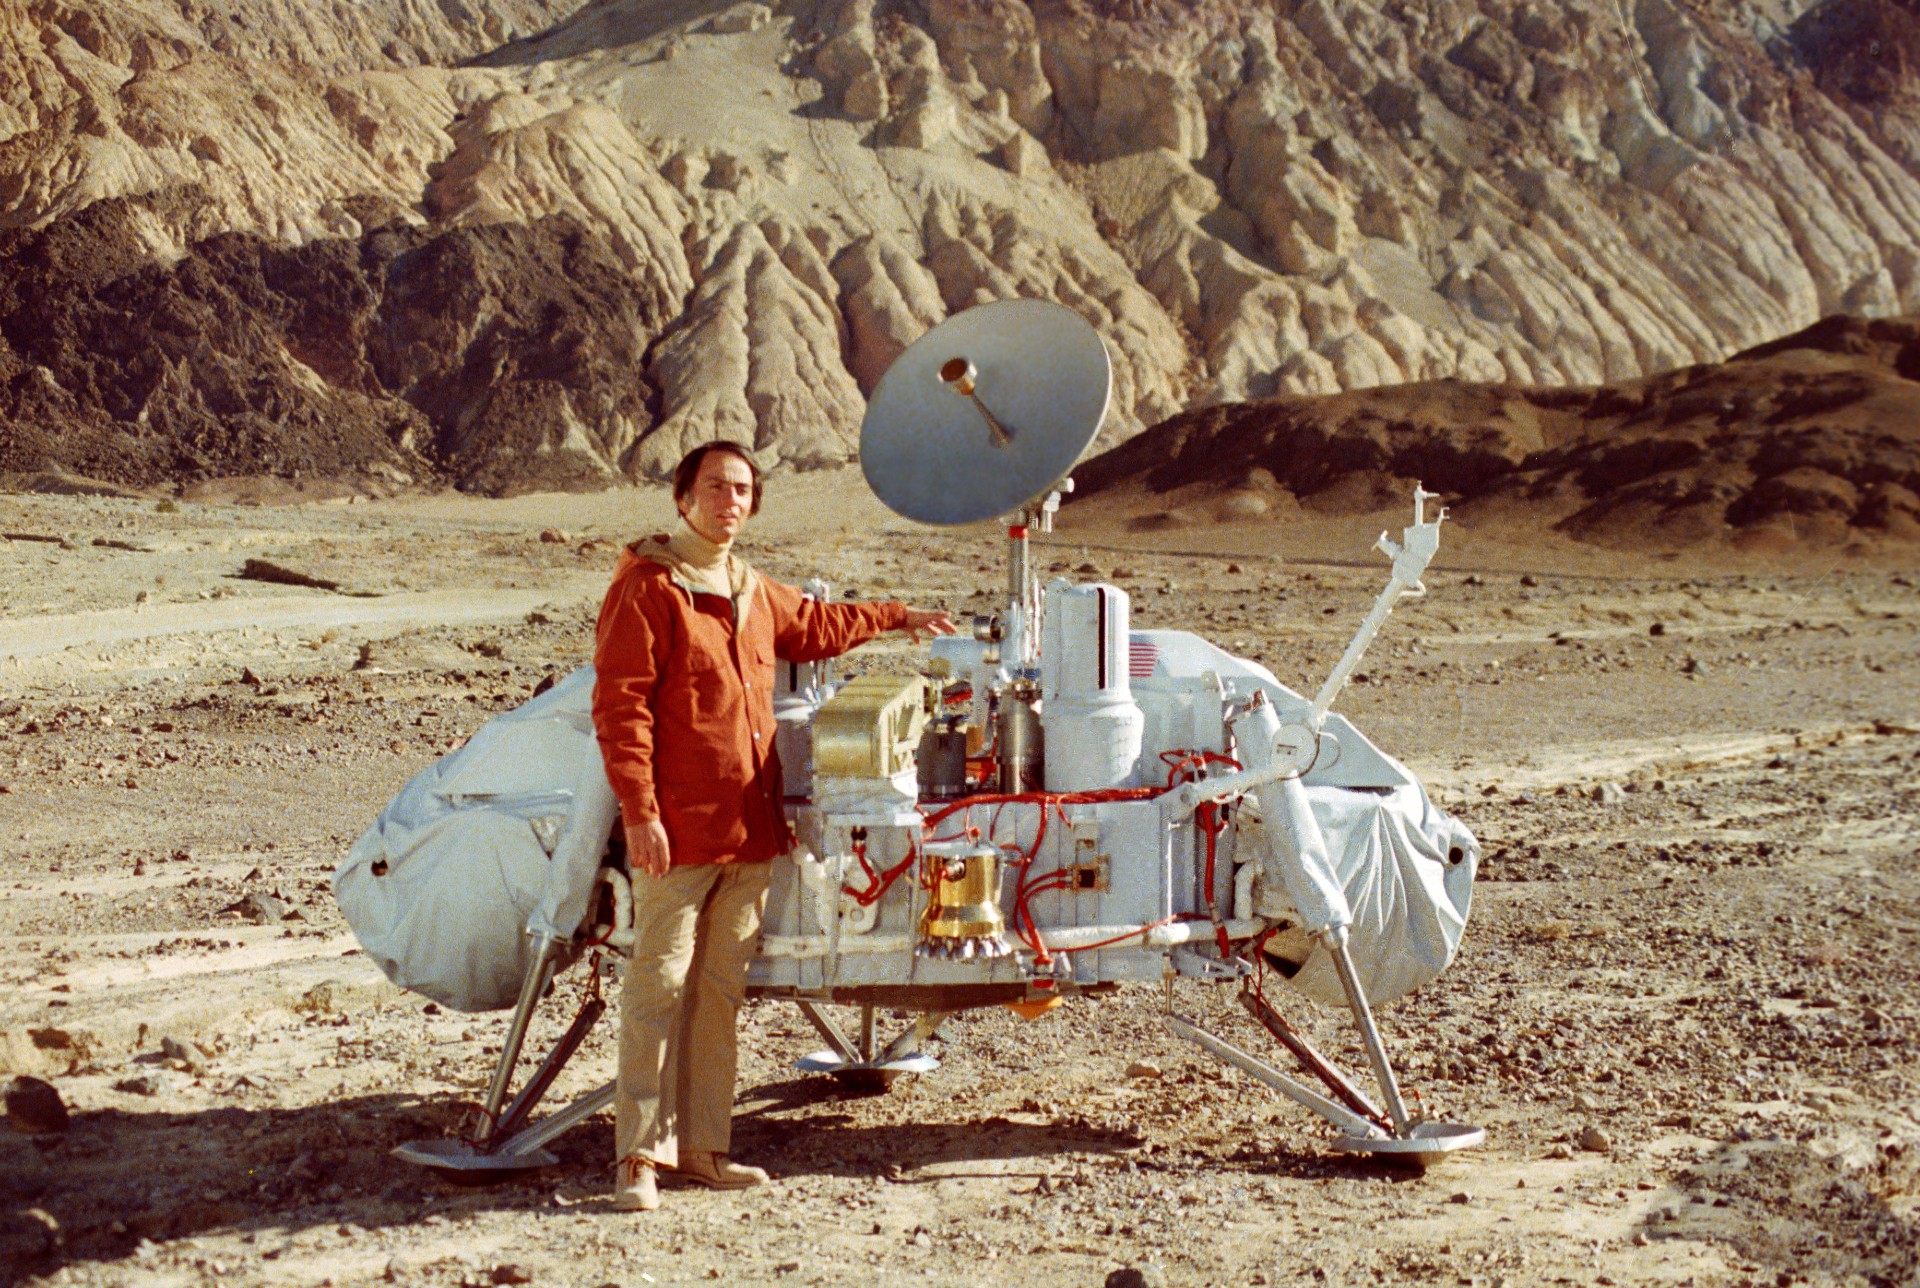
(1299, 880)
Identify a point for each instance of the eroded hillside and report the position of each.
(639, 224)
(1810, 443)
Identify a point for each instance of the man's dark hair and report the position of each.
(689, 467)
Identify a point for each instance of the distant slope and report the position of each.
(767, 202)
(1813, 439)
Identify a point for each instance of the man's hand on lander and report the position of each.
(647, 847)
(932, 622)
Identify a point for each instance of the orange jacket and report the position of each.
(683, 703)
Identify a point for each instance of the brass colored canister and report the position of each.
(963, 917)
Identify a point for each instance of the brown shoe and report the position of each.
(717, 1171)
(634, 1187)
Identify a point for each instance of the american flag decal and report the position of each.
(1141, 658)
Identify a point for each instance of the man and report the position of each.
(683, 706)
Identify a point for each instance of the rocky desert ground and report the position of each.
(1685, 1010)
(1632, 282)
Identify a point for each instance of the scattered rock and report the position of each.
(1595, 1140)
(259, 908)
(743, 18)
(319, 1000)
(554, 536)
(1658, 628)
(186, 1055)
(35, 1107)
(1609, 794)
(1143, 1070)
(510, 1273)
(1146, 1275)
(279, 575)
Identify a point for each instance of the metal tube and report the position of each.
(866, 1033)
(1356, 649)
(1017, 563)
(552, 1125)
(1070, 937)
(1021, 751)
(550, 1068)
(1259, 1069)
(1303, 1051)
(917, 1035)
(539, 975)
(828, 1029)
(1335, 939)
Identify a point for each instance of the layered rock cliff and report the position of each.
(517, 243)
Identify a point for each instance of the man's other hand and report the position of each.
(933, 623)
(647, 847)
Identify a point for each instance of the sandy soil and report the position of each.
(1686, 1013)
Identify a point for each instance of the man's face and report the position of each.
(717, 504)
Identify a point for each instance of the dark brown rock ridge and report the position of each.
(1812, 441)
(501, 357)
(1246, 198)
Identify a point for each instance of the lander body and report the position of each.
(1051, 804)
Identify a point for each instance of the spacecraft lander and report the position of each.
(1049, 805)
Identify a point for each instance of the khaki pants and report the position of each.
(694, 931)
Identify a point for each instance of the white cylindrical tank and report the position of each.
(1091, 722)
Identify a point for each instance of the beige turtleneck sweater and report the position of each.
(706, 566)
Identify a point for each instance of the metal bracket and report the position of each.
(859, 1064)
(1191, 962)
(497, 1143)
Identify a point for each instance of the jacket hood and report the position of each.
(658, 551)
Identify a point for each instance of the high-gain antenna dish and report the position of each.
(986, 412)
